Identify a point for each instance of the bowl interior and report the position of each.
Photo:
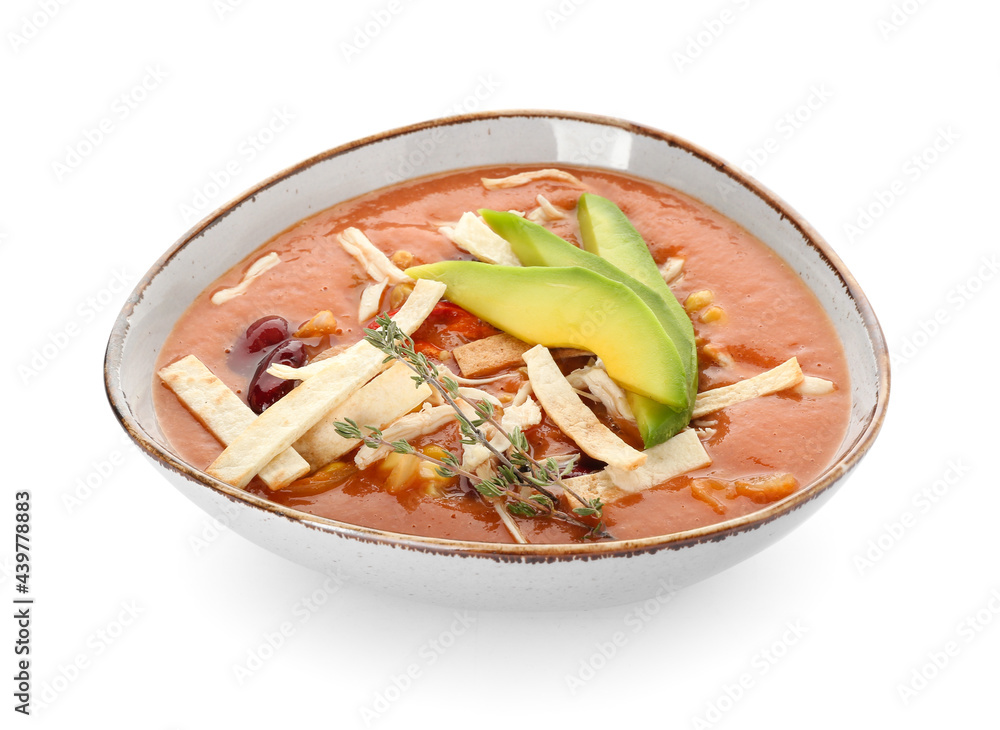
(232, 232)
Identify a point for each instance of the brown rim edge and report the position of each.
(503, 551)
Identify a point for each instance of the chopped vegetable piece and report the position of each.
(766, 489)
(322, 323)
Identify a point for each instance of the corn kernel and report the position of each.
(713, 314)
(399, 294)
(402, 259)
(699, 300)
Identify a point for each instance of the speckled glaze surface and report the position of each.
(515, 577)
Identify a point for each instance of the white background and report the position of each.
(161, 608)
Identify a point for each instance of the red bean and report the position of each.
(255, 342)
(265, 390)
(265, 332)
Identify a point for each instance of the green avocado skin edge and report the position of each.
(570, 307)
(535, 245)
(607, 232)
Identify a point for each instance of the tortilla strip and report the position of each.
(375, 263)
(786, 375)
(222, 412)
(256, 270)
(409, 317)
(290, 418)
(378, 403)
(490, 354)
(592, 486)
(523, 178)
(473, 235)
(574, 418)
(675, 456)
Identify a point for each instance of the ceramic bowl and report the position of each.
(525, 577)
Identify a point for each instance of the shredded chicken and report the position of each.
(375, 263)
(523, 178)
(545, 212)
(371, 297)
(672, 269)
(596, 380)
(256, 270)
(427, 420)
(811, 385)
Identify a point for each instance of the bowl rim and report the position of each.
(509, 552)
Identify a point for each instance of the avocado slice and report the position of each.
(607, 232)
(535, 245)
(571, 307)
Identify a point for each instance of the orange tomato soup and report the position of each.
(769, 316)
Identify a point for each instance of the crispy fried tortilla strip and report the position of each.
(256, 270)
(490, 354)
(375, 263)
(786, 375)
(378, 403)
(225, 415)
(290, 418)
(574, 418)
(523, 178)
(678, 455)
(592, 486)
(409, 317)
(473, 235)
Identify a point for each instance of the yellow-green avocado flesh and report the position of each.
(607, 232)
(570, 307)
(535, 245)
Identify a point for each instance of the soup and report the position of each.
(750, 314)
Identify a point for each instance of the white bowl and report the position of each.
(526, 577)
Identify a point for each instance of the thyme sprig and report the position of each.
(523, 483)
